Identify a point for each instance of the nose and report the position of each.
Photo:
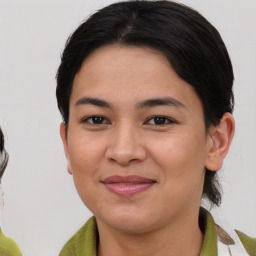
(126, 146)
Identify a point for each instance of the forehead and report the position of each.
(125, 59)
(132, 72)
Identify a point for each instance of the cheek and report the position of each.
(84, 152)
(181, 159)
(182, 163)
(179, 150)
(82, 160)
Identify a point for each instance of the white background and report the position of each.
(42, 209)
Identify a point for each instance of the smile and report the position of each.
(128, 185)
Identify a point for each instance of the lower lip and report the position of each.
(127, 190)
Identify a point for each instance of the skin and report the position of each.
(129, 140)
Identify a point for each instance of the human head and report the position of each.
(3, 155)
(191, 44)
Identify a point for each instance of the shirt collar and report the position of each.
(89, 237)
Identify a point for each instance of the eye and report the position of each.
(96, 120)
(160, 120)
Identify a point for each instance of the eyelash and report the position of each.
(96, 118)
(166, 120)
(100, 120)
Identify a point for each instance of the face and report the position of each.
(136, 142)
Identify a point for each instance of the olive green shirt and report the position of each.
(84, 242)
(7, 246)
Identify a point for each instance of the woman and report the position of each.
(145, 92)
(7, 246)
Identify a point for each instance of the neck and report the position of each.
(183, 237)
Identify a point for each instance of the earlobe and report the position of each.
(63, 135)
(219, 141)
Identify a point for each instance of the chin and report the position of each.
(128, 221)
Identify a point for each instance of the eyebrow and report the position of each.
(167, 101)
(93, 101)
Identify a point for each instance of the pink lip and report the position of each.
(128, 185)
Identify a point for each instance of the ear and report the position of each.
(63, 135)
(219, 140)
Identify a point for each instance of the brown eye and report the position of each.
(160, 120)
(97, 120)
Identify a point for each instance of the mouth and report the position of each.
(128, 185)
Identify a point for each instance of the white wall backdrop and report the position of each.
(42, 209)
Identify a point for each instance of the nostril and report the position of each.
(124, 157)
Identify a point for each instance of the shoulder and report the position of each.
(83, 242)
(8, 247)
(248, 242)
(212, 234)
